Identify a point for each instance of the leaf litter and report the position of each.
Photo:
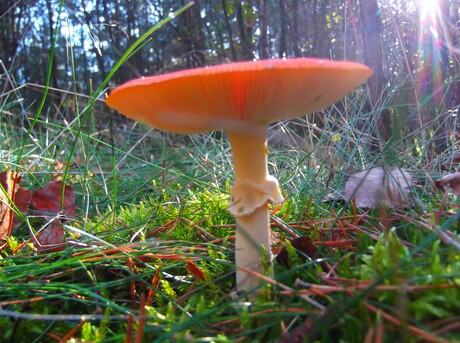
(378, 187)
(13, 199)
(54, 203)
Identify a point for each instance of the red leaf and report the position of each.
(51, 238)
(12, 194)
(48, 199)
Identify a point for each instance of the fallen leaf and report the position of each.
(304, 247)
(48, 199)
(11, 194)
(452, 181)
(51, 237)
(376, 187)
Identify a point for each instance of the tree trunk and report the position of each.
(193, 34)
(230, 31)
(320, 31)
(244, 29)
(295, 28)
(263, 40)
(8, 31)
(371, 27)
(282, 52)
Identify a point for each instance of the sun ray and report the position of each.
(428, 10)
(432, 50)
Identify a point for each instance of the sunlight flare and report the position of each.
(429, 9)
(432, 49)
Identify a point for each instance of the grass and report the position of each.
(149, 254)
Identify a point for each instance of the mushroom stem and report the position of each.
(252, 241)
(252, 190)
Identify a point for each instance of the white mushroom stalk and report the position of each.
(252, 190)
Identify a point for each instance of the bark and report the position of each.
(371, 27)
(263, 40)
(244, 30)
(282, 51)
(320, 31)
(8, 31)
(230, 31)
(193, 36)
(294, 10)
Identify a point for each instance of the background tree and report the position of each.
(371, 31)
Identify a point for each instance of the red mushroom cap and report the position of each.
(234, 97)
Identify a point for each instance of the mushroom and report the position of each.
(242, 99)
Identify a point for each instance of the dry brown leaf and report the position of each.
(9, 195)
(304, 247)
(452, 181)
(378, 187)
(51, 237)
